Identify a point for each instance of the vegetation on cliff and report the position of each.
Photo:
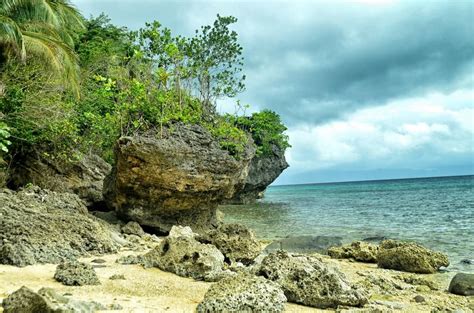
(73, 84)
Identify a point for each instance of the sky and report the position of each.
(369, 89)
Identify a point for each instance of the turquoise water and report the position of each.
(437, 212)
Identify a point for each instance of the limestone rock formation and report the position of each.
(263, 171)
(38, 226)
(174, 178)
(307, 280)
(358, 250)
(462, 284)
(84, 177)
(243, 293)
(235, 241)
(25, 300)
(410, 257)
(182, 254)
(73, 273)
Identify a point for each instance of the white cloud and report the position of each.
(415, 132)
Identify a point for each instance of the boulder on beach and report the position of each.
(358, 250)
(410, 257)
(462, 284)
(83, 177)
(264, 169)
(39, 226)
(74, 273)
(133, 228)
(175, 177)
(243, 293)
(182, 254)
(235, 241)
(307, 280)
(305, 244)
(46, 300)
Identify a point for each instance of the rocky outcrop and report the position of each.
(243, 293)
(358, 250)
(410, 257)
(307, 280)
(305, 244)
(263, 171)
(133, 228)
(25, 300)
(84, 176)
(182, 254)
(38, 226)
(462, 284)
(73, 273)
(235, 241)
(174, 178)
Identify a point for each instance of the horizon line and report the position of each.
(370, 180)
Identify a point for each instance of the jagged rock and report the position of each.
(76, 274)
(182, 254)
(307, 280)
(358, 250)
(305, 244)
(38, 226)
(410, 257)
(419, 281)
(25, 300)
(263, 171)
(243, 293)
(235, 241)
(177, 177)
(462, 284)
(130, 260)
(84, 177)
(133, 228)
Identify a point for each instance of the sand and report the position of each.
(143, 290)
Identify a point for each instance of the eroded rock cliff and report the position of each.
(174, 177)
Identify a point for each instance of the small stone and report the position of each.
(99, 261)
(462, 284)
(76, 274)
(130, 259)
(419, 299)
(423, 288)
(117, 276)
(133, 228)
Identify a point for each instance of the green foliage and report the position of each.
(266, 129)
(42, 28)
(231, 138)
(4, 135)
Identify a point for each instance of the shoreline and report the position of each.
(153, 290)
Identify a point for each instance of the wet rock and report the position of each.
(419, 299)
(235, 241)
(263, 171)
(39, 226)
(359, 251)
(182, 254)
(76, 274)
(177, 177)
(83, 177)
(307, 280)
(462, 284)
(305, 244)
(410, 257)
(467, 261)
(24, 300)
(243, 293)
(133, 228)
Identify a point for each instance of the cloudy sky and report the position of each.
(368, 89)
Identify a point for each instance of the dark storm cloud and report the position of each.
(313, 61)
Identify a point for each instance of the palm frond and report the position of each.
(11, 36)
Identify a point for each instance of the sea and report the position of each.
(437, 212)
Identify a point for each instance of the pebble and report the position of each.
(99, 261)
(419, 299)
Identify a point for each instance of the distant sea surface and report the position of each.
(437, 212)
